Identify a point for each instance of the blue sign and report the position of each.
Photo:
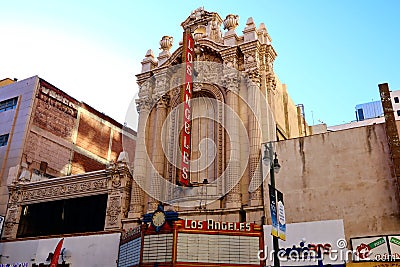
(272, 205)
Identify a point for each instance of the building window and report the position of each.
(8, 104)
(4, 139)
(396, 99)
(398, 112)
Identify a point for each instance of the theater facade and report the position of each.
(204, 111)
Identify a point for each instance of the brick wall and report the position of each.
(69, 140)
(129, 145)
(39, 148)
(93, 135)
(82, 163)
(54, 116)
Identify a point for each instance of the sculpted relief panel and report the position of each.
(115, 181)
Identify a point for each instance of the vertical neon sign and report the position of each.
(187, 89)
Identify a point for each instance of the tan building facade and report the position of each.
(238, 103)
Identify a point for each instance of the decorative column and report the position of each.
(158, 158)
(141, 158)
(251, 51)
(13, 214)
(254, 130)
(119, 187)
(232, 84)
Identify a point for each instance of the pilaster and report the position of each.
(158, 158)
(13, 215)
(119, 187)
(232, 85)
(136, 207)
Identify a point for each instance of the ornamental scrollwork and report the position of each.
(115, 180)
(114, 210)
(58, 191)
(144, 104)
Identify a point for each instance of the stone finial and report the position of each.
(166, 43)
(148, 63)
(250, 31)
(197, 13)
(123, 157)
(165, 46)
(231, 22)
(263, 35)
(149, 54)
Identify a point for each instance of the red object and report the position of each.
(54, 260)
(188, 53)
(363, 251)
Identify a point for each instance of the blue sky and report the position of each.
(331, 54)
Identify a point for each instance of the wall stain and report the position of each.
(369, 130)
(303, 161)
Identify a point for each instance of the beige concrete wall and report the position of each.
(277, 105)
(292, 117)
(341, 175)
(285, 111)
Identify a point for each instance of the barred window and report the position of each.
(8, 104)
(3, 139)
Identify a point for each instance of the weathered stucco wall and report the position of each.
(341, 175)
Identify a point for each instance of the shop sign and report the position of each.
(214, 225)
(308, 244)
(187, 89)
(305, 250)
(394, 246)
(376, 248)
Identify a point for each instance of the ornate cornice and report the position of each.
(115, 181)
(143, 77)
(94, 183)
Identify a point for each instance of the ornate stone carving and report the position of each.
(114, 209)
(215, 31)
(144, 104)
(231, 22)
(15, 196)
(149, 63)
(162, 101)
(115, 180)
(210, 20)
(59, 191)
(11, 221)
(166, 43)
(254, 77)
(144, 89)
(197, 13)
